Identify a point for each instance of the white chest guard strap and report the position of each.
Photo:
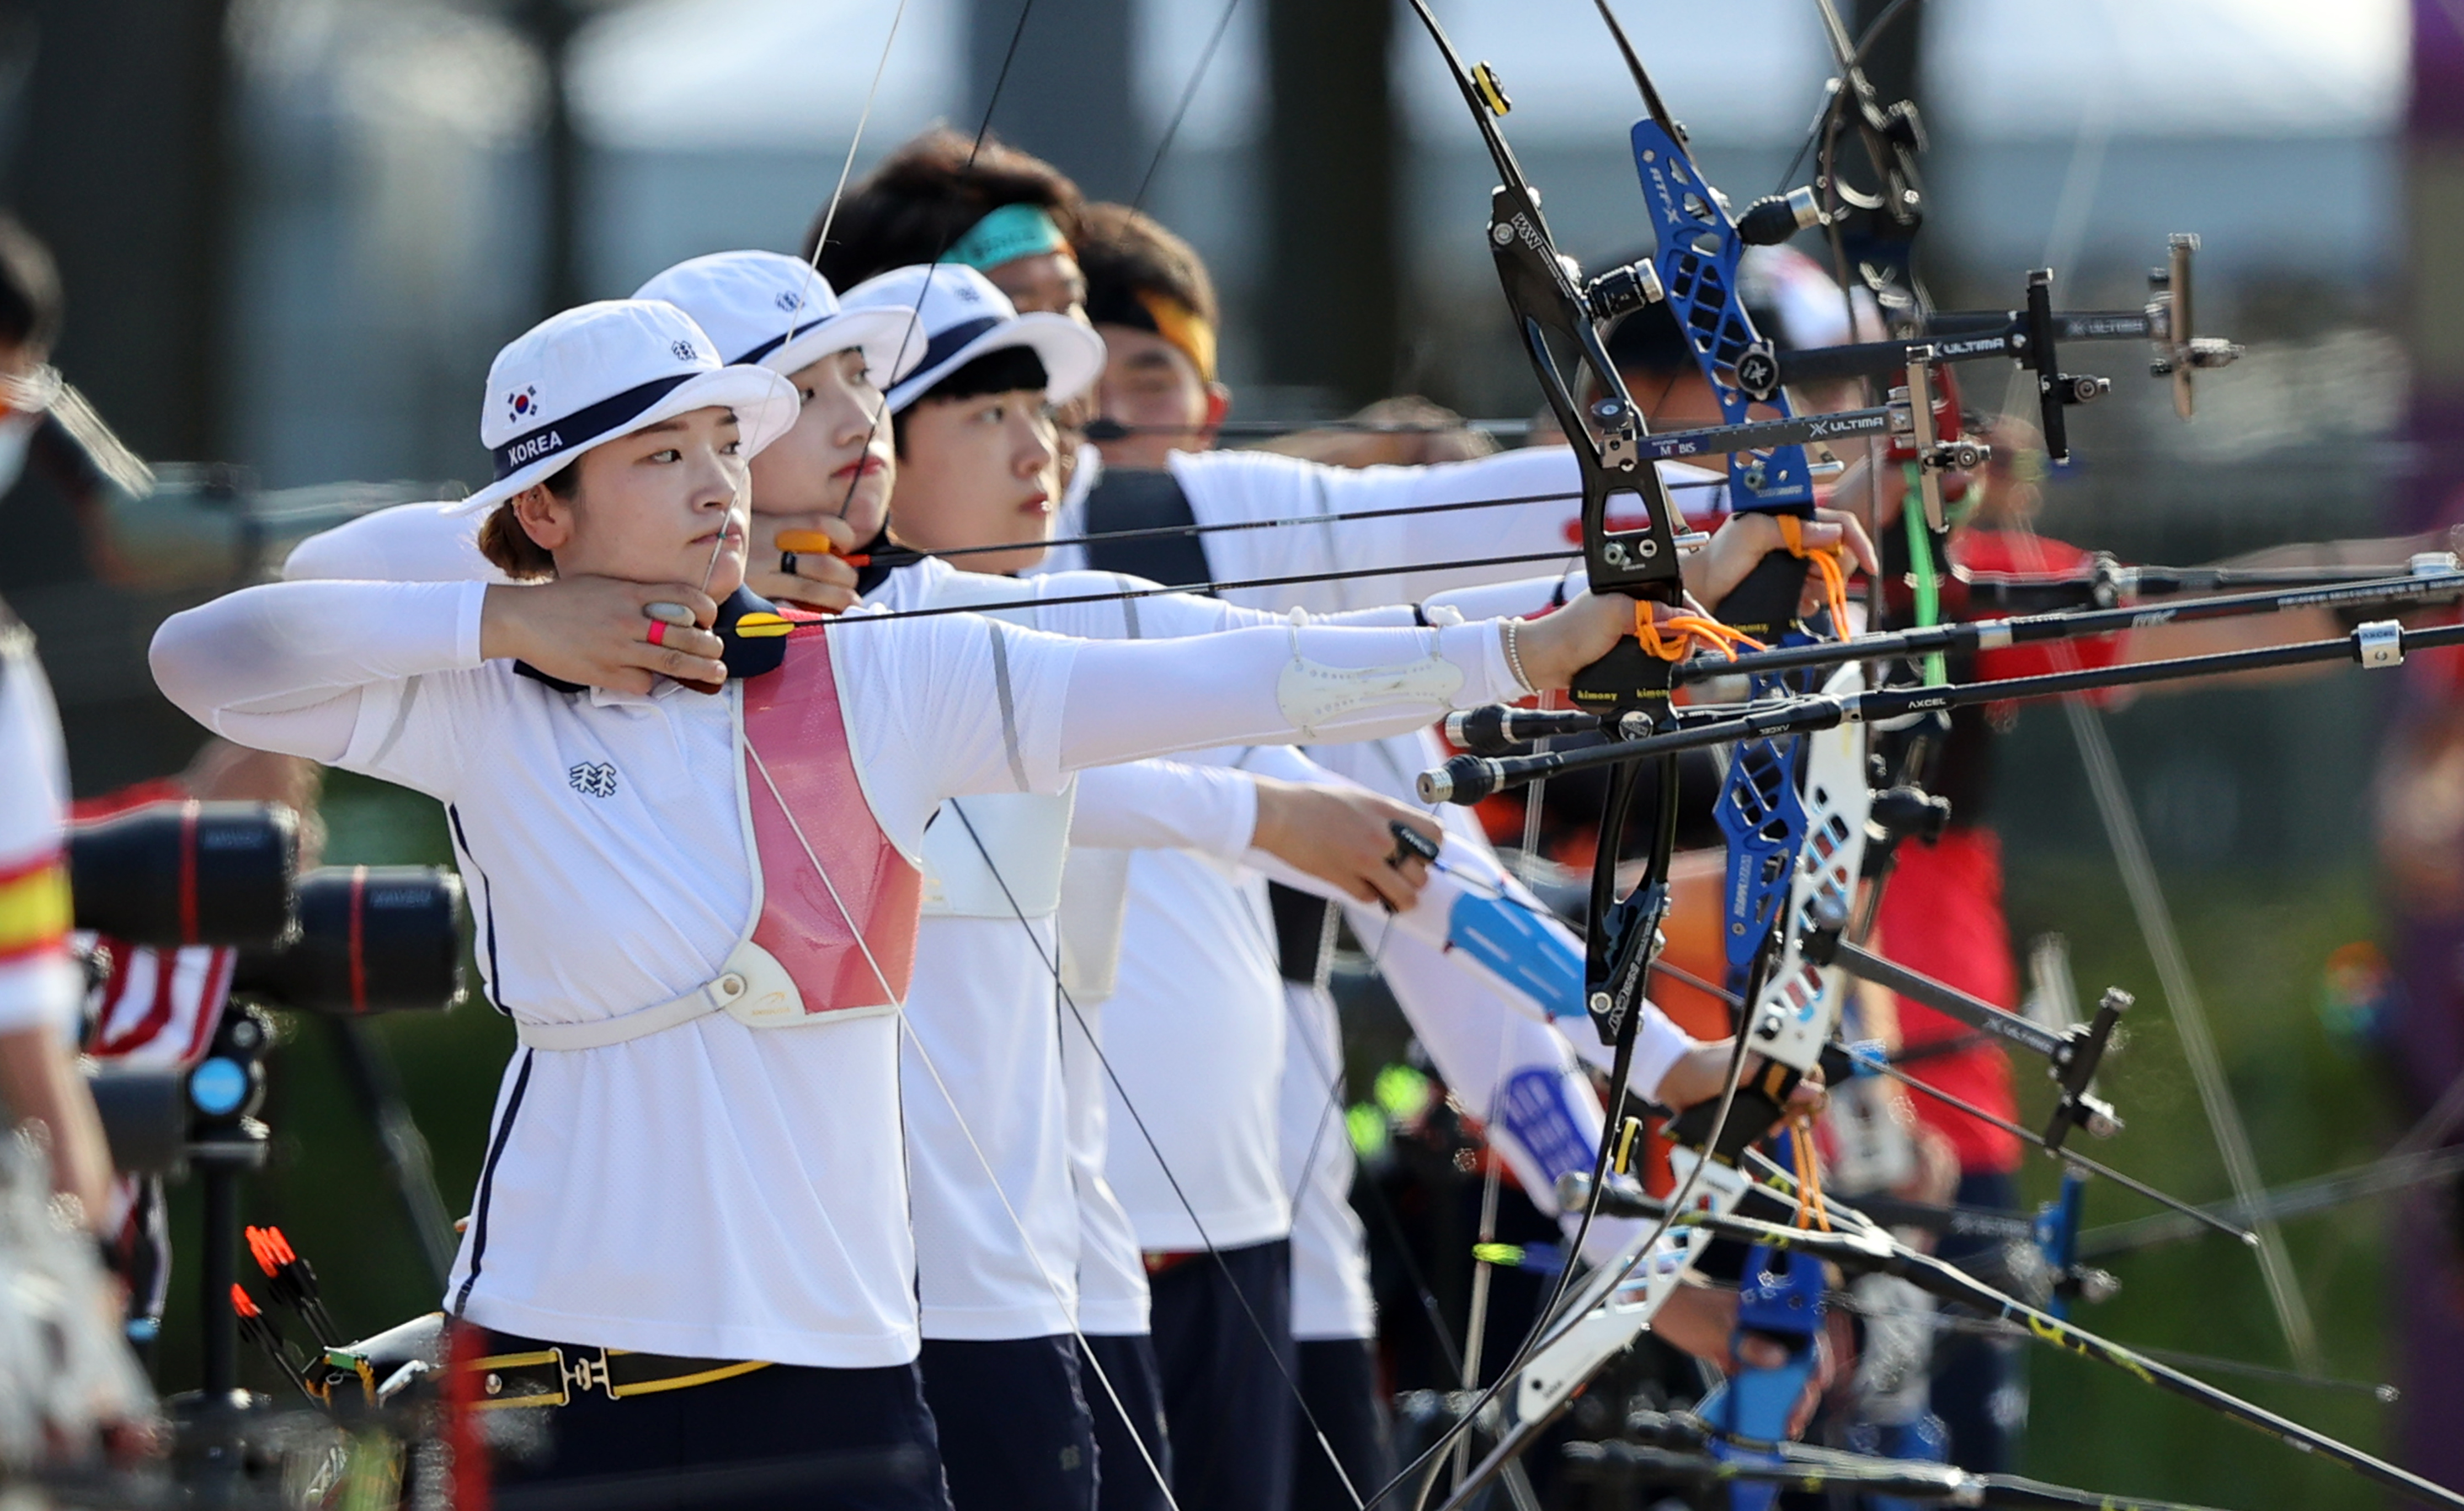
(754, 989)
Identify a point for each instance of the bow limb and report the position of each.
(1795, 1009)
(1557, 321)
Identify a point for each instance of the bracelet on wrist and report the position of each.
(1512, 635)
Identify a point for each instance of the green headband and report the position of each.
(1005, 236)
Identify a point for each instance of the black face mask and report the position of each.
(743, 655)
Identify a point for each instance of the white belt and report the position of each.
(754, 989)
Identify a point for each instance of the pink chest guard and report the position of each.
(796, 749)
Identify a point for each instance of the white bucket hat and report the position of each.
(599, 373)
(776, 312)
(963, 316)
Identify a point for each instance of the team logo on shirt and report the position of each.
(522, 405)
(592, 779)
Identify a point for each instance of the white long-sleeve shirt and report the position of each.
(1012, 1240)
(1197, 954)
(713, 1191)
(1423, 552)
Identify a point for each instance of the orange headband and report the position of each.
(1182, 326)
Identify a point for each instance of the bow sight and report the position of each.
(2032, 337)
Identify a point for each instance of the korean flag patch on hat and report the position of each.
(597, 373)
(775, 311)
(963, 316)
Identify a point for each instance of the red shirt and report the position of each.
(1941, 917)
(2004, 551)
(1942, 910)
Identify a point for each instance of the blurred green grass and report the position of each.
(2256, 943)
(2259, 907)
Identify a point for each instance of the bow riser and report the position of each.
(1794, 1003)
(1614, 1309)
(1557, 325)
(1799, 1011)
(1699, 261)
(1875, 231)
(1761, 813)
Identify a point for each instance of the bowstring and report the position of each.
(1458, 1359)
(1224, 526)
(1188, 98)
(1065, 1299)
(2150, 909)
(1051, 963)
(1331, 1114)
(1214, 589)
(829, 215)
(831, 212)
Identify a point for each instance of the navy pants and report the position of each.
(784, 1439)
(1227, 1389)
(1124, 1479)
(1339, 1382)
(1015, 1429)
(1976, 1381)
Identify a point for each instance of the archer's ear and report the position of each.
(546, 519)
